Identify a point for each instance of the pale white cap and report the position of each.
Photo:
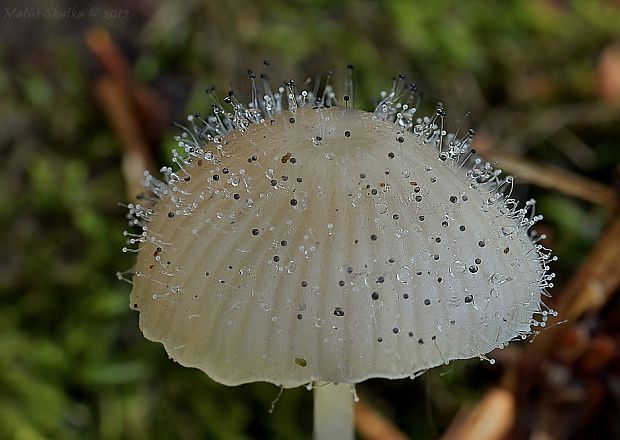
(331, 245)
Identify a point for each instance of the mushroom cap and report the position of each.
(328, 244)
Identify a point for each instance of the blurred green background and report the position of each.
(73, 364)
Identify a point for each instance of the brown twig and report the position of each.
(547, 176)
(556, 179)
(135, 112)
(491, 419)
(151, 110)
(373, 426)
(137, 156)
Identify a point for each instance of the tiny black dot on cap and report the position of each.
(299, 179)
(395, 330)
(434, 338)
(293, 160)
(462, 228)
(346, 98)
(254, 231)
(420, 341)
(171, 214)
(341, 283)
(444, 224)
(225, 170)
(421, 218)
(304, 284)
(293, 202)
(362, 176)
(395, 216)
(373, 237)
(379, 339)
(274, 182)
(391, 155)
(236, 196)
(477, 261)
(375, 295)
(469, 298)
(347, 133)
(405, 296)
(410, 334)
(299, 316)
(400, 139)
(338, 311)
(283, 243)
(380, 279)
(481, 243)
(276, 258)
(427, 302)
(506, 250)
(453, 199)
(216, 177)
(292, 120)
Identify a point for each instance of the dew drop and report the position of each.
(496, 278)
(404, 274)
(381, 207)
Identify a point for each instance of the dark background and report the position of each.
(88, 94)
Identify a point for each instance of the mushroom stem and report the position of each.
(333, 411)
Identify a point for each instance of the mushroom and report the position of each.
(299, 240)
